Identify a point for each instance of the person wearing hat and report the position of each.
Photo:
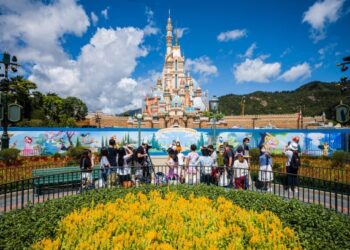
(240, 167)
(296, 139)
(292, 166)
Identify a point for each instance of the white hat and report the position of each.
(293, 146)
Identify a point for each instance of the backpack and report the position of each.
(295, 161)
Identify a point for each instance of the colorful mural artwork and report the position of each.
(49, 141)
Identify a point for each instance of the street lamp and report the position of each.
(4, 88)
(213, 107)
(139, 119)
(98, 119)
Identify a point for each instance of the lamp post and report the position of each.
(98, 119)
(139, 119)
(213, 107)
(8, 63)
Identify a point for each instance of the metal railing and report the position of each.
(330, 194)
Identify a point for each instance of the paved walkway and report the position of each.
(341, 203)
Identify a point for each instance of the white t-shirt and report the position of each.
(125, 170)
(181, 159)
(214, 156)
(104, 162)
(193, 158)
(289, 154)
(205, 163)
(240, 168)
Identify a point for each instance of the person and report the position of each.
(240, 167)
(172, 164)
(141, 155)
(296, 139)
(228, 162)
(86, 169)
(112, 159)
(205, 162)
(292, 166)
(214, 156)
(104, 166)
(181, 166)
(178, 146)
(265, 169)
(246, 148)
(125, 171)
(192, 157)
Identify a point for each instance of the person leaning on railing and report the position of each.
(86, 168)
(205, 163)
(240, 168)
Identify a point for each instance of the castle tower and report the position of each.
(169, 36)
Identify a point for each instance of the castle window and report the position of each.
(176, 81)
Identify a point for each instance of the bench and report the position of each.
(55, 177)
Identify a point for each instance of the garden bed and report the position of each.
(315, 227)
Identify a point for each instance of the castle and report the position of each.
(175, 101)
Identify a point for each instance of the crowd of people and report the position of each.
(126, 166)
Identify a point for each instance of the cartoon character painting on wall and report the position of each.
(269, 140)
(28, 149)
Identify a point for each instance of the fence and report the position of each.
(329, 194)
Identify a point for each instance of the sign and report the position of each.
(342, 113)
(15, 112)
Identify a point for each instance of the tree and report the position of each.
(75, 108)
(53, 106)
(78, 143)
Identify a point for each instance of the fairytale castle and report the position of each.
(175, 101)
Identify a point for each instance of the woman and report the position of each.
(265, 169)
(206, 166)
(240, 168)
(292, 165)
(86, 169)
(104, 166)
(125, 171)
(191, 172)
(181, 166)
(172, 164)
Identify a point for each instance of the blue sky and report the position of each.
(109, 53)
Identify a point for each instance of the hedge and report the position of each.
(317, 228)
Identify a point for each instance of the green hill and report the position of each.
(314, 98)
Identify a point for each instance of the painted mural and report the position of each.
(51, 141)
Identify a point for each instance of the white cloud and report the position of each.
(300, 71)
(318, 65)
(34, 30)
(320, 14)
(201, 66)
(286, 52)
(181, 31)
(250, 51)
(325, 51)
(94, 18)
(101, 75)
(256, 70)
(150, 28)
(104, 13)
(231, 35)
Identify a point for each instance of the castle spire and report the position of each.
(169, 35)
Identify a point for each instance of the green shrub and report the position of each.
(76, 152)
(9, 155)
(254, 154)
(339, 159)
(306, 163)
(277, 167)
(317, 228)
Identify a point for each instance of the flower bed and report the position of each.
(315, 227)
(170, 222)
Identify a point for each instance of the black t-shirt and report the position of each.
(85, 164)
(140, 150)
(112, 156)
(121, 154)
(227, 155)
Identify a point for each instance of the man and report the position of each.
(112, 159)
(142, 161)
(228, 161)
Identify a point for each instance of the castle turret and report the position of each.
(169, 36)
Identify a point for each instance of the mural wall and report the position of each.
(49, 141)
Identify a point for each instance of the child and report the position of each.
(240, 167)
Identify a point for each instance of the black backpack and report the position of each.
(295, 161)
